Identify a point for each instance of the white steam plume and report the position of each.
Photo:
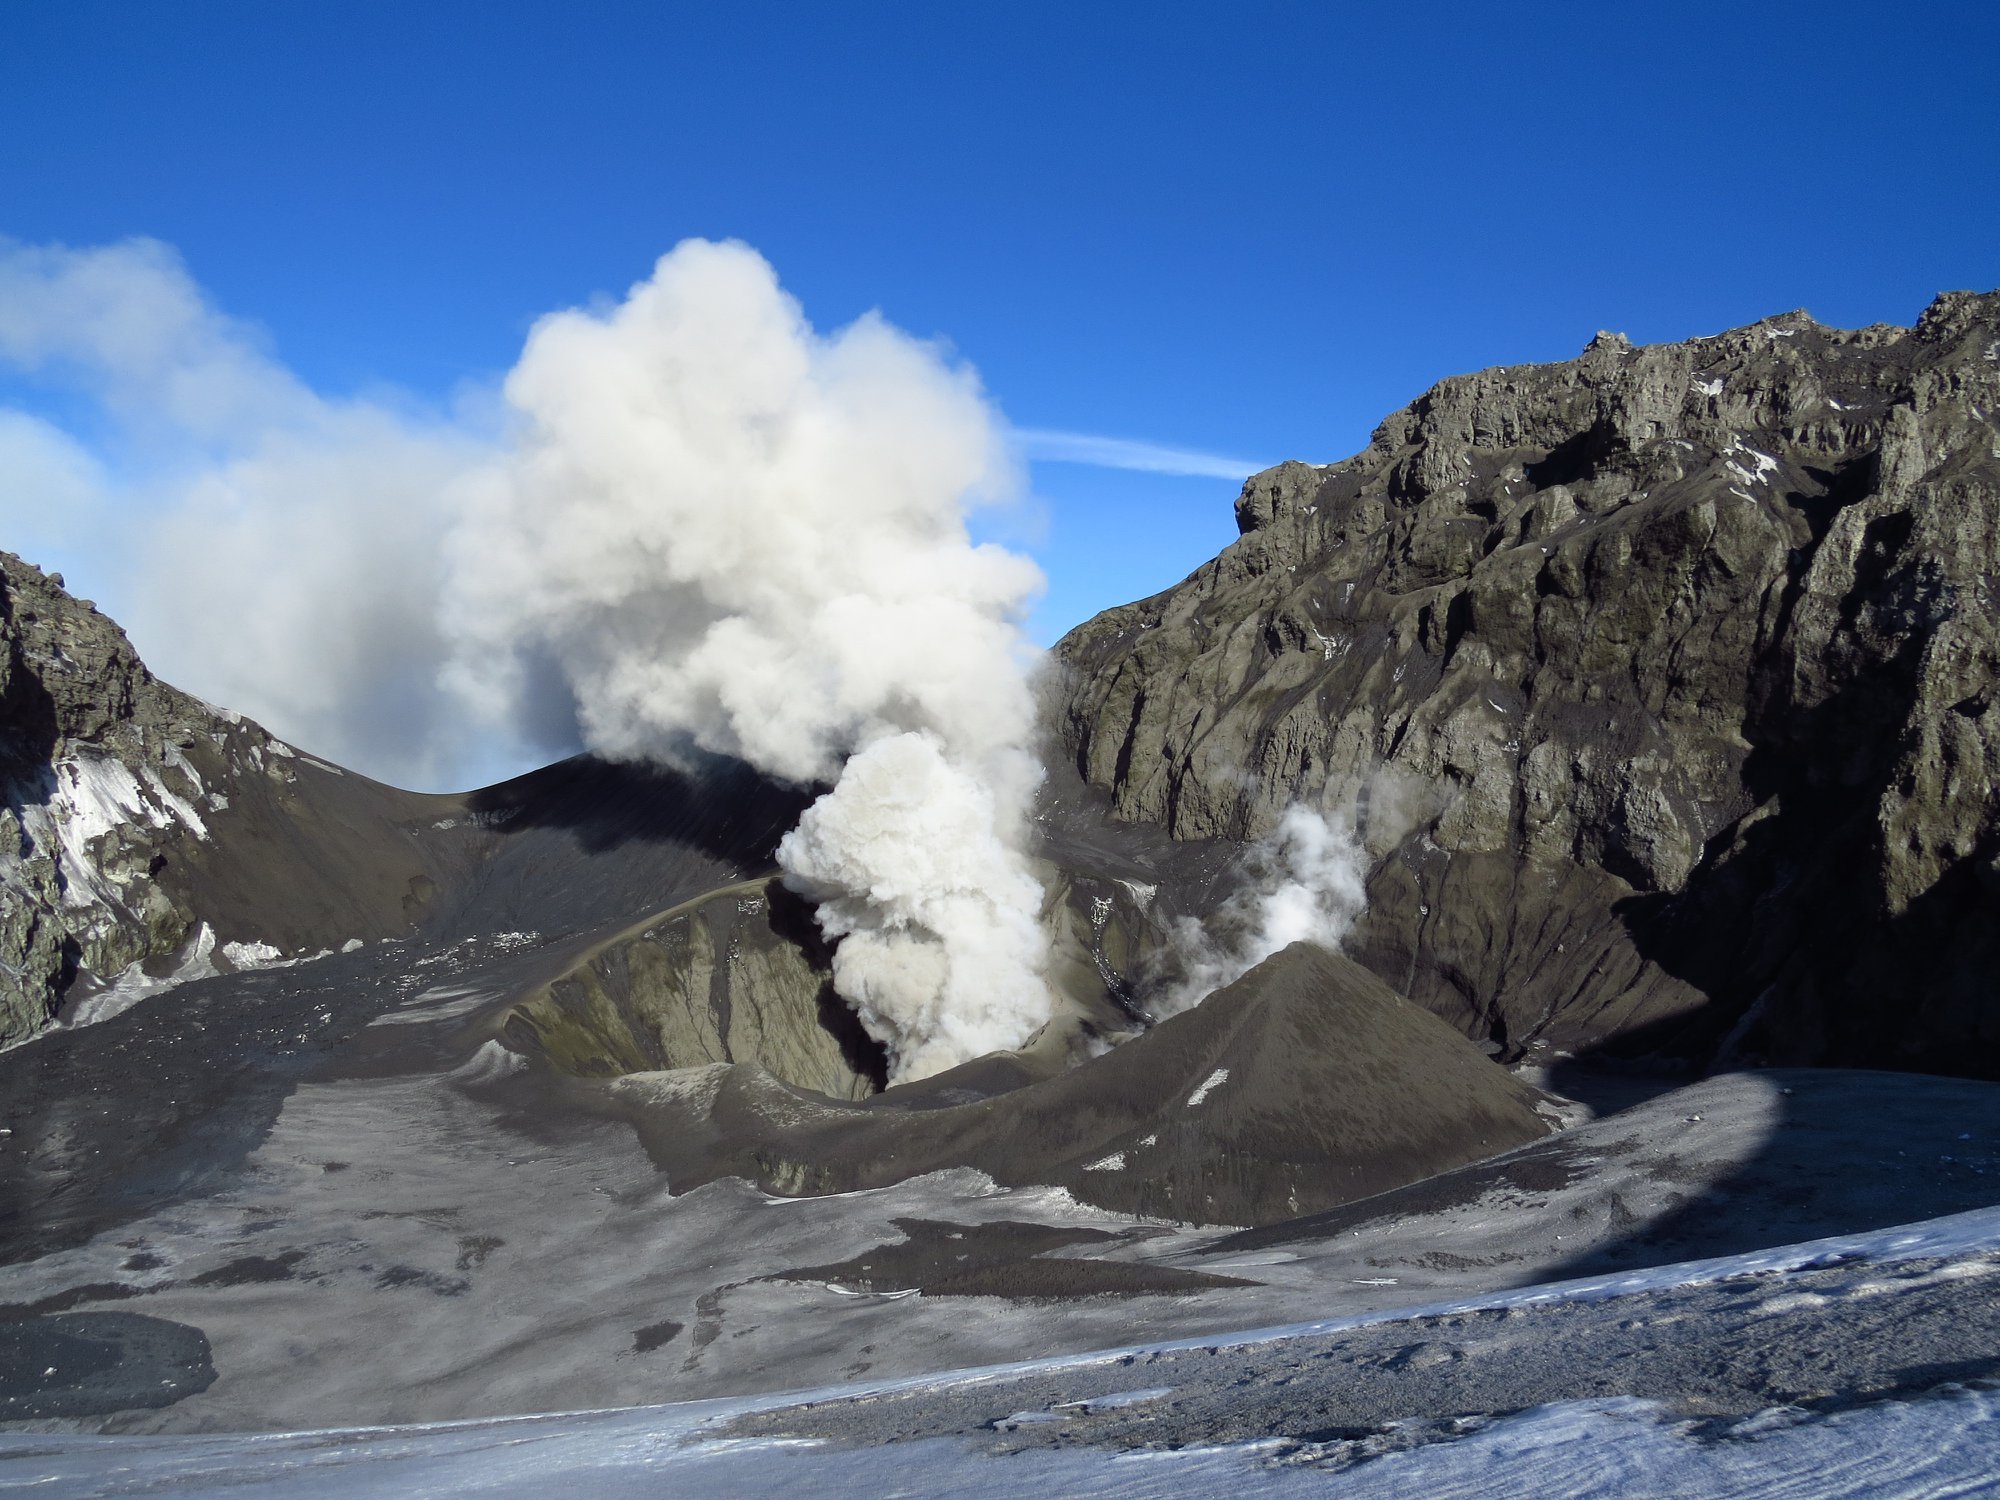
(690, 518)
(914, 864)
(722, 526)
(1304, 884)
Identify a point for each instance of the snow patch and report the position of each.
(1142, 894)
(1066, 1410)
(194, 961)
(1208, 1085)
(167, 806)
(1762, 465)
(442, 1003)
(491, 1063)
(1117, 1400)
(253, 955)
(90, 799)
(896, 1296)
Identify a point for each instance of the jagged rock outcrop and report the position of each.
(92, 756)
(147, 838)
(1662, 683)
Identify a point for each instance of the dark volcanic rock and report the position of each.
(142, 832)
(93, 1363)
(1306, 1084)
(1662, 683)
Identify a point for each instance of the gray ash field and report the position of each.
(1816, 1341)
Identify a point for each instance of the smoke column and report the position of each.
(713, 525)
(684, 519)
(1304, 884)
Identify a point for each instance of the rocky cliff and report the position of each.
(90, 745)
(1661, 684)
(147, 838)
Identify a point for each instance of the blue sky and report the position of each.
(1244, 230)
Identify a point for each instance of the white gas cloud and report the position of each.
(268, 548)
(1304, 882)
(725, 527)
(916, 865)
(50, 485)
(688, 519)
(127, 323)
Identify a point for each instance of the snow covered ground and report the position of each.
(1175, 1419)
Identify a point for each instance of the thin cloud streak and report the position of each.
(1048, 446)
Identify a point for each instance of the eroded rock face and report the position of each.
(737, 975)
(98, 785)
(1662, 683)
(146, 837)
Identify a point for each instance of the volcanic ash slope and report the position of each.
(1306, 1084)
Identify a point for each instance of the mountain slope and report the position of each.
(1661, 683)
(146, 836)
(1306, 1084)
